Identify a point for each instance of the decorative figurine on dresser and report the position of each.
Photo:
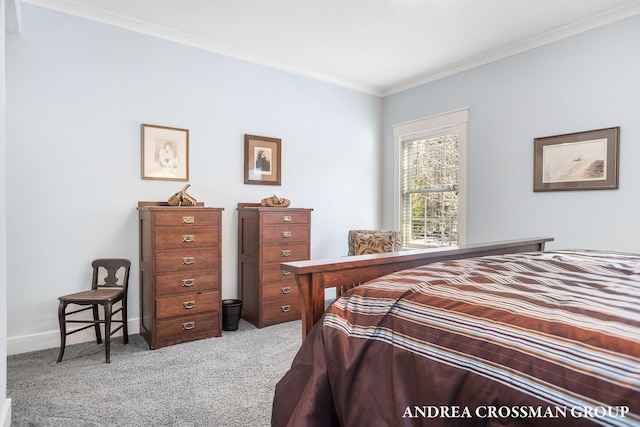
(268, 236)
(180, 279)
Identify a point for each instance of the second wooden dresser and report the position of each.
(266, 238)
(180, 252)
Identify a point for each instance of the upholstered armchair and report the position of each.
(374, 241)
(363, 242)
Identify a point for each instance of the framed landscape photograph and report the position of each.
(577, 161)
(165, 153)
(262, 160)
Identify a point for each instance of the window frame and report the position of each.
(429, 127)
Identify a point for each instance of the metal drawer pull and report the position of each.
(286, 218)
(285, 273)
(286, 234)
(285, 308)
(188, 325)
(188, 260)
(188, 238)
(188, 219)
(189, 304)
(286, 290)
(286, 252)
(188, 282)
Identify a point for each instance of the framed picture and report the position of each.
(165, 153)
(577, 161)
(262, 160)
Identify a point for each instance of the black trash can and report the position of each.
(231, 310)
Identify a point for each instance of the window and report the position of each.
(431, 180)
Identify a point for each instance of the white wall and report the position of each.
(77, 94)
(588, 81)
(5, 404)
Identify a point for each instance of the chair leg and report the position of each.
(125, 330)
(96, 319)
(107, 331)
(63, 329)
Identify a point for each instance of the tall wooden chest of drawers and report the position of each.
(266, 238)
(180, 279)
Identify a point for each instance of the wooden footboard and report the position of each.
(314, 276)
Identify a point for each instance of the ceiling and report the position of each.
(374, 46)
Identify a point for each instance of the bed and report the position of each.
(498, 334)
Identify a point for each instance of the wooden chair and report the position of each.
(107, 289)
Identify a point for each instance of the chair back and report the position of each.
(374, 241)
(110, 272)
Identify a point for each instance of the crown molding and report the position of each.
(532, 43)
(76, 8)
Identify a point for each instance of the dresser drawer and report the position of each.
(285, 234)
(186, 260)
(184, 217)
(199, 281)
(281, 311)
(285, 253)
(187, 304)
(269, 218)
(187, 328)
(273, 273)
(282, 291)
(185, 237)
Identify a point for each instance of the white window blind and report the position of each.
(429, 201)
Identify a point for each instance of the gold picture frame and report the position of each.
(262, 160)
(586, 160)
(165, 153)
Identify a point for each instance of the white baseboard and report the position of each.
(5, 413)
(51, 339)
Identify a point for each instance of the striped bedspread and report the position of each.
(535, 339)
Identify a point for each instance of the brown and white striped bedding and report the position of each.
(539, 339)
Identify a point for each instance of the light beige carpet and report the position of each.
(226, 381)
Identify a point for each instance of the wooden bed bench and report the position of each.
(314, 276)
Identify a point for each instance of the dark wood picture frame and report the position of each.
(586, 160)
(262, 160)
(165, 153)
